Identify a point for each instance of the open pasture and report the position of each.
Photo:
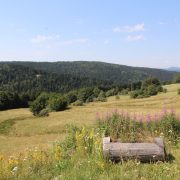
(20, 130)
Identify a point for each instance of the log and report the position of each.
(144, 152)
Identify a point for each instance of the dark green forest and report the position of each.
(23, 82)
(117, 74)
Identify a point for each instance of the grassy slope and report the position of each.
(28, 131)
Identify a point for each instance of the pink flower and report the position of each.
(172, 111)
(141, 117)
(97, 115)
(134, 116)
(148, 118)
(164, 110)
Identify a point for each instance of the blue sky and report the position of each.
(130, 32)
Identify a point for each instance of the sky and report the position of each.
(129, 32)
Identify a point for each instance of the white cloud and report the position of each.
(106, 42)
(75, 41)
(56, 39)
(135, 38)
(41, 39)
(162, 23)
(130, 29)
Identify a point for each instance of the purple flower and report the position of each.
(134, 116)
(97, 115)
(172, 111)
(141, 117)
(148, 118)
(164, 110)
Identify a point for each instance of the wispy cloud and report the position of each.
(131, 38)
(130, 29)
(56, 39)
(74, 41)
(106, 42)
(162, 23)
(41, 39)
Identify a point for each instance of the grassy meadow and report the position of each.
(20, 130)
(28, 142)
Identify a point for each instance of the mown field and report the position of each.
(20, 130)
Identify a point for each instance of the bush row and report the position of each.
(149, 87)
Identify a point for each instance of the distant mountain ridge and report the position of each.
(176, 69)
(62, 77)
(18, 78)
(118, 74)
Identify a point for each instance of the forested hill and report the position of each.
(118, 74)
(18, 78)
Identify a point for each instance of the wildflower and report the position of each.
(140, 117)
(134, 116)
(91, 133)
(148, 118)
(172, 111)
(58, 153)
(164, 110)
(1, 157)
(14, 169)
(162, 135)
(138, 163)
(97, 115)
(170, 131)
(156, 117)
(115, 111)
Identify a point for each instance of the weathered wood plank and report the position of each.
(142, 151)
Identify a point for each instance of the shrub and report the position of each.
(43, 113)
(78, 103)
(117, 97)
(84, 94)
(102, 96)
(164, 90)
(124, 92)
(152, 90)
(177, 79)
(11, 100)
(179, 91)
(71, 97)
(111, 92)
(58, 103)
(96, 92)
(134, 94)
(149, 87)
(39, 104)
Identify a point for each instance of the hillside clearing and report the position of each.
(29, 131)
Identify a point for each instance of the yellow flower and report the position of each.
(1, 157)
(91, 135)
(58, 153)
(12, 162)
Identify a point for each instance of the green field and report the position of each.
(20, 130)
(30, 146)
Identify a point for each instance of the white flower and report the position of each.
(15, 169)
(161, 135)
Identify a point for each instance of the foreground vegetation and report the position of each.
(80, 155)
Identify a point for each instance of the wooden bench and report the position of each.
(144, 152)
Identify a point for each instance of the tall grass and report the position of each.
(80, 155)
(137, 127)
